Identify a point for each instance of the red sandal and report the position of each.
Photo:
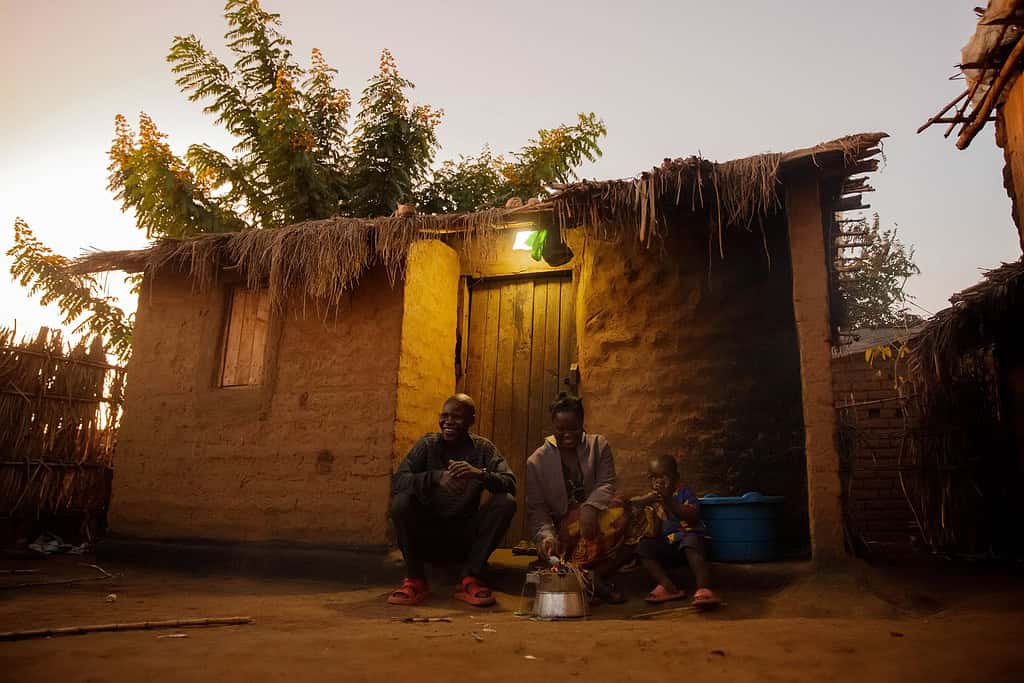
(473, 591)
(661, 594)
(704, 598)
(412, 592)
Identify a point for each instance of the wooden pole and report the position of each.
(132, 626)
(938, 117)
(981, 114)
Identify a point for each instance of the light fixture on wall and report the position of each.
(521, 242)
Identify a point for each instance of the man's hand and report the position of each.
(451, 483)
(549, 547)
(646, 499)
(460, 469)
(588, 522)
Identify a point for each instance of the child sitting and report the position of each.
(679, 535)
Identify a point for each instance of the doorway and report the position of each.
(520, 347)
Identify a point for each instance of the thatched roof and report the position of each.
(324, 258)
(980, 315)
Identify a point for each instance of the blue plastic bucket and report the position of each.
(742, 528)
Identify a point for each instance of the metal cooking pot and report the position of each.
(559, 596)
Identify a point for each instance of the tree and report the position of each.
(295, 158)
(875, 289)
(394, 143)
(45, 273)
(472, 183)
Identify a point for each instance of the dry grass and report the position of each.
(959, 452)
(59, 409)
(321, 260)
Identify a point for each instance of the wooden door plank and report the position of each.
(522, 317)
(236, 312)
(475, 343)
(485, 401)
(245, 332)
(539, 419)
(259, 338)
(566, 338)
(552, 379)
(502, 427)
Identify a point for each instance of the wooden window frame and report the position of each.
(247, 347)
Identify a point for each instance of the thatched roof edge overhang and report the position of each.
(322, 259)
(978, 317)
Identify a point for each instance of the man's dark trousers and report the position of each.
(424, 536)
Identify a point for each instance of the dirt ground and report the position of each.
(859, 624)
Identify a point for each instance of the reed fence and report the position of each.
(60, 405)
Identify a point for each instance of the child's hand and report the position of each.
(646, 499)
(662, 489)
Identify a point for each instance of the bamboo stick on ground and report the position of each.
(131, 626)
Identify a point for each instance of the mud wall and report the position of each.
(304, 457)
(426, 375)
(1010, 136)
(698, 363)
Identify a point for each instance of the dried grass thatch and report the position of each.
(323, 259)
(59, 410)
(734, 193)
(318, 259)
(979, 315)
(959, 446)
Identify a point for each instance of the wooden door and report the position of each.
(520, 346)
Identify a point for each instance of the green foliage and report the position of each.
(78, 297)
(394, 143)
(553, 155)
(875, 296)
(167, 198)
(291, 132)
(294, 157)
(473, 183)
(468, 184)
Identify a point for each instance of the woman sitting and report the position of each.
(571, 506)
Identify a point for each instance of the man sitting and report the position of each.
(438, 506)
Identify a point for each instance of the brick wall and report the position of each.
(871, 429)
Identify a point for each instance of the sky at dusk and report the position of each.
(670, 79)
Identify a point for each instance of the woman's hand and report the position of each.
(549, 547)
(588, 522)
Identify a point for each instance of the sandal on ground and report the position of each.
(474, 592)
(412, 592)
(705, 599)
(661, 594)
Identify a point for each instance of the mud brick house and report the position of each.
(279, 375)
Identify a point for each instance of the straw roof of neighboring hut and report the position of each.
(861, 339)
(322, 259)
(979, 316)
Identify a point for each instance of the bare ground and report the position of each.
(859, 624)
